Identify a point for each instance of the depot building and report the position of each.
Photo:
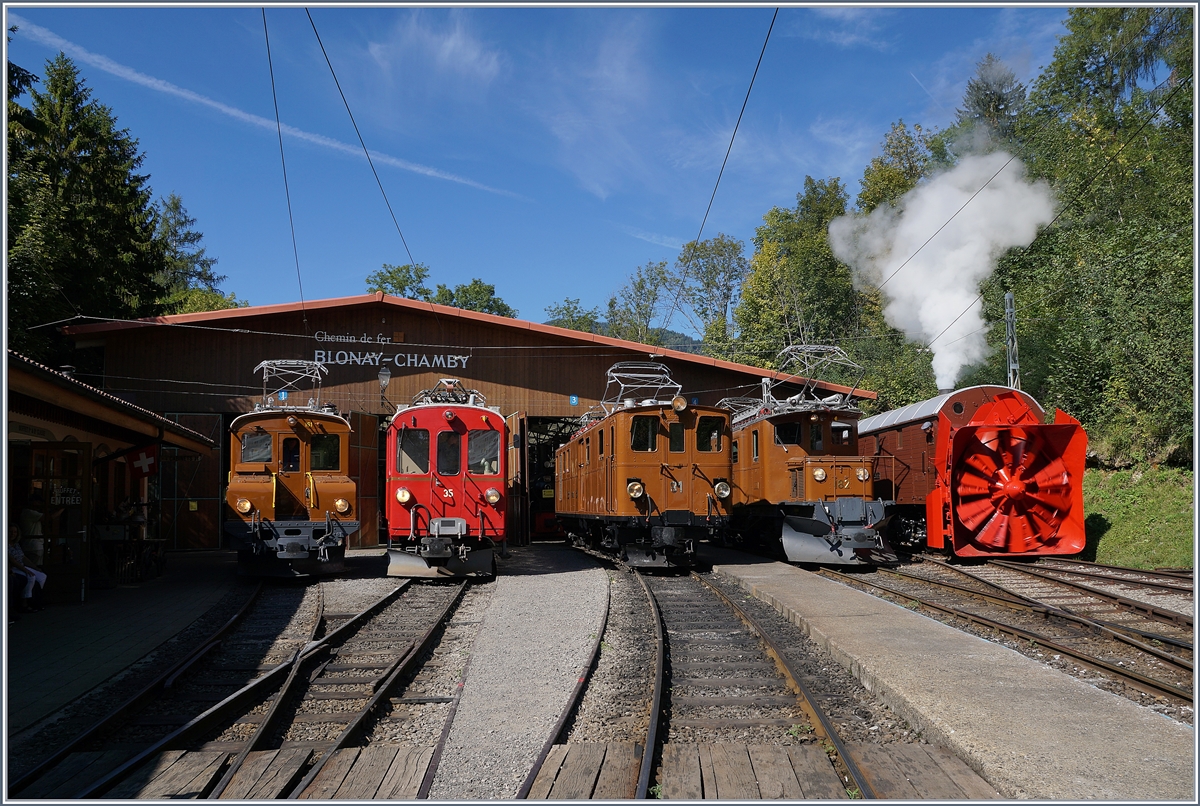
(379, 351)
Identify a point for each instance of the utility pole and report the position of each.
(1010, 340)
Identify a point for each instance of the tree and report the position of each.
(81, 237)
(401, 281)
(905, 161)
(633, 310)
(711, 273)
(570, 314)
(993, 98)
(473, 296)
(188, 281)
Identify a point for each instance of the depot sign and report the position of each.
(398, 360)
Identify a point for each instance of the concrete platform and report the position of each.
(56, 655)
(1029, 730)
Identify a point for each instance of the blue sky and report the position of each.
(549, 151)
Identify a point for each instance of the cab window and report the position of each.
(708, 434)
(412, 455)
(839, 434)
(256, 447)
(449, 453)
(290, 461)
(733, 448)
(816, 437)
(483, 453)
(325, 452)
(787, 433)
(675, 432)
(644, 432)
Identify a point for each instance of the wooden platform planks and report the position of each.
(173, 774)
(267, 774)
(746, 772)
(588, 772)
(374, 772)
(919, 771)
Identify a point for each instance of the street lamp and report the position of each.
(385, 377)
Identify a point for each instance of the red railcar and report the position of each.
(980, 473)
(446, 495)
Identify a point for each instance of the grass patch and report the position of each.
(1139, 518)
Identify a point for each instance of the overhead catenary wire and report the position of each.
(283, 161)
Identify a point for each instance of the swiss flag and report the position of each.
(144, 462)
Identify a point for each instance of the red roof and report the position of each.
(232, 315)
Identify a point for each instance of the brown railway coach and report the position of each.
(380, 351)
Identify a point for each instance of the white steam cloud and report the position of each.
(942, 280)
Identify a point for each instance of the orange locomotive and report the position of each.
(648, 475)
(291, 505)
(979, 472)
(799, 484)
(446, 473)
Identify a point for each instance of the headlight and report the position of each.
(819, 474)
(721, 488)
(403, 495)
(342, 505)
(244, 505)
(492, 495)
(679, 402)
(635, 489)
(862, 473)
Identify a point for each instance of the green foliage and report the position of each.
(633, 310)
(710, 274)
(1140, 518)
(905, 161)
(401, 281)
(570, 314)
(473, 296)
(198, 300)
(81, 235)
(993, 98)
(188, 282)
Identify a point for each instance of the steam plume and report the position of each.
(942, 279)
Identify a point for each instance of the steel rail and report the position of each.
(402, 664)
(572, 702)
(823, 727)
(269, 719)
(643, 784)
(1138, 680)
(1158, 613)
(206, 721)
(139, 699)
(1163, 573)
(1137, 583)
(1117, 632)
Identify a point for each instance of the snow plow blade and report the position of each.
(406, 564)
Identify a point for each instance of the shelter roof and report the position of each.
(233, 317)
(50, 385)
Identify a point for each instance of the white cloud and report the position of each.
(81, 54)
(651, 237)
(845, 27)
(453, 49)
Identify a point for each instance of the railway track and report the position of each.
(300, 719)
(730, 718)
(1052, 620)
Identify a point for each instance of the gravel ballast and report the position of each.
(534, 642)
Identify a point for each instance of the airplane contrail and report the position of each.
(79, 53)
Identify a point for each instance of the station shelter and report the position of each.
(85, 479)
(379, 352)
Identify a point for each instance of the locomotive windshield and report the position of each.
(816, 437)
(708, 434)
(483, 453)
(449, 453)
(413, 452)
(326, 451)
(256, 447)
(644, 431)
